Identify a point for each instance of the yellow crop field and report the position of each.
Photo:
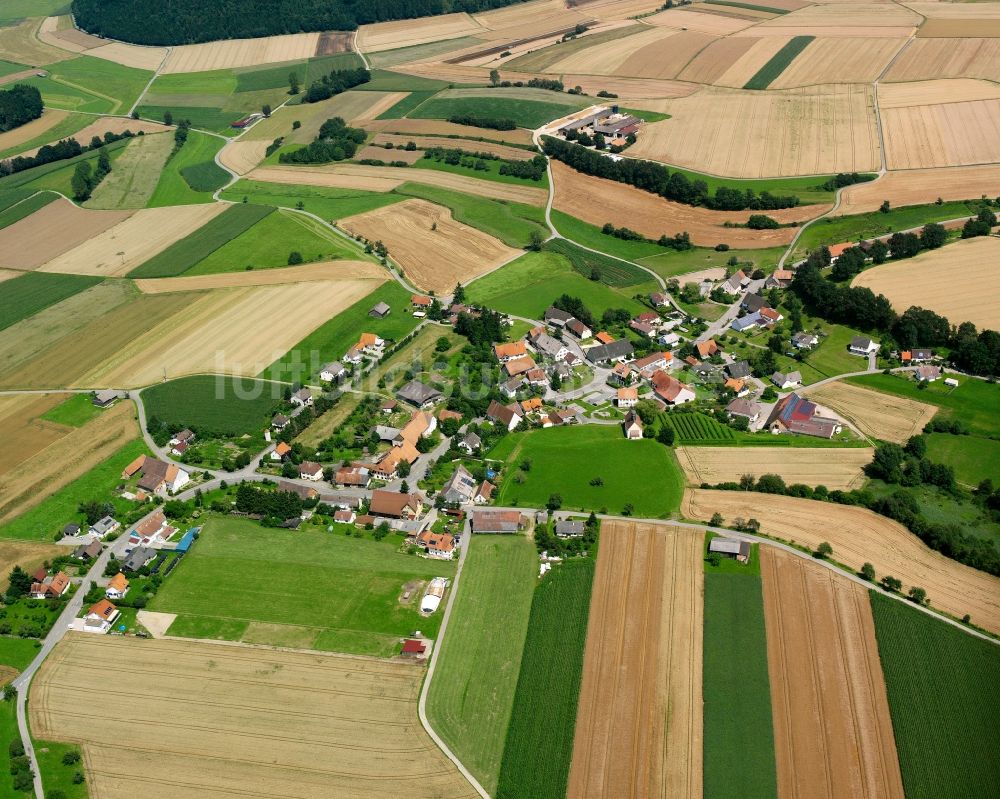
(749, 134)
(50, 118)
(949, 281)
(837, 60)
(22, 432)
(20, 44)
(946, 134)
(927, 59)
(131, 55)
(310, 725)
(693, 20)
(739, 71)
(884, 416)
(329, 270)
(833, 468)
(606, 58)
(242, 156)
(665, 59)
(718, 57)
(230, 53)
(918, 186)
(408, 32)
(860, 16)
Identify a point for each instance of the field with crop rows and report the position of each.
(208, 403)
(612, 272)
(30, 293)
(696, 428)
(778, 63)
(536, 757)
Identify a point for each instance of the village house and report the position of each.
(531, 405)
(182, 437)
(632, 426)
(616, 351)
(927, 374)
(71, 529)
(104, 399)
(671, 390)
(156, 476)
(796, 415)
(730, 548)
(394, 505)
(747, 322)
(371, 344)
(862, 345)
(357, 476)
(310, 470)
(461, 486)
(738, 370)
(497, 521)
(548, 346)
(510, 388)
(557, 317)
(98, 619)
(769, 317)
(117, 587)
(302, 398)
(804, 341)
(440, 546)
(344, 516)
(302, 492)
(421, 425)
(646, 329)
(744, 408)
(419, 394)
(388, 406)
(421, 301)
(706, 349)
(504, 415)
(652, 363)
(779, 279)
(138, 558)
(153, 530)
(51, 586)
(279, 422)
(484, 493)
(332, 371)
(735, 283)
(579, 329)
(916, 356)
(87, 551)
(470, 443)
(104, 526)
(509, 350)
(658, 299)
(627, 397)
(280, 451)
(570, 529)
(604, 337)
(786, 381)
(518, 366)
(387, 467)
(753, 303)
(738, 386)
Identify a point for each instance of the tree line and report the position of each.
(336, 141)
(492, 123)
(657, 179)
(335, 82)
(154, 22)
(19, 105)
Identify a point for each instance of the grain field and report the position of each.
(231, 53)
(22, 432)
(928, 59)
(919, 186)
(883, 416)
(834, 468)
(942, 135)
(327, 270)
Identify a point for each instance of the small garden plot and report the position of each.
(211, 405)
(696, 428)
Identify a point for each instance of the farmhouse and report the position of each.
(518, 366)
(784, 381)
(548, 346)
(862, 345)
(745, 409)
(569, 529)
(103, 399)
(420, 426)
(380, 310)
(579, 329)
(357, 476)
(796, 415)
(280, 451)
(506, 415)
(99, 618)
(497, 521)
(51, 586)
(437, 545)
(104, 526)
(387, 467)
(332, 371)
(557, 317)
(117, 587)
(279, 422)
(302, 492)
(152, 530)
(394, 505)
(419, 394)
(627, 397)
(310, 470)
(138, 558)
(738, 387)
(622, 374)
(738, 370)
(652, 363)
(632, 426)
(671, 390)
(71, 529)
(510, 350)
(156, 476)
(614, 352)
(421, 301)
(302, 398)
(730, 548)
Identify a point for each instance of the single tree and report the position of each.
(494, 77)
(266, 110)
(81, 182)
(294, 257)
(717, 520)
(918, 596)
(554, 502)
(168, 118)
(868, 572)
(293, 83)
(823, 551)
(884, 208)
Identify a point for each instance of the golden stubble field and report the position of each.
(833, 733)
(435, 251)
(104, 125)
(259, 721)
(942, 134)
(876, 414)
(918, 186)
(23, 432)
(926, 59)
(835, 468)
(230, 53)
(860, 536)
(950, 281)
(639, 722)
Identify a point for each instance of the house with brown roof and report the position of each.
(632, 426)
(622, 375)
(156, 476)
(421, 301)
(344, 516)
(797, 415)
(52, 586)
(117, 587)
(355, 475)
(506, 415)
(579, 329)
(310, 470)
(916, 356)
(671, 390)
(927, 374)
(509, 350)
(738, 386)
(440, 546)
(99, 618)
(387, 467)
(627, 397)
(421, 425)
(302, 492)
(518, 366)
(153, 529)
(651, 363)
(497, 521)
(280, 451)
(745, 409)
(395, 505)
(531, 405)
(706, 349)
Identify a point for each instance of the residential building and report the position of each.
(730, 548)
(388, 406)
(505, 415)
(622, 375)
(786, 381)
(779, 279)
(395, 505)
(421, 301)
(310, 470)
(280, 451)
(646, 329)
(71, 529)
(737, 386)
(497, 521)
(651, 363)
(421, 425)
(510, 388)
(484, 493)
(627, 397)
(51, 586)
(747, 322)
(748, 410)
(100, 616)
(302, 492)
(557, 317)
(184, 436)
(152, 530)
(87, 551)
(549, 347)
(303, 398)
(738, 370)
(387, 467)
(332, 371)
(279, 422)
(862, 345)
(770, 317)
(104, 526)
(735, 282)
(795, 414)
(138, 558)
(671, 390)
(927, 374)
(356, 476)
(659, 299)
(531, 405)
(469, 443)
(419, 394)
(632, 426)
(916, 356)
(518, 366)
(461, 486)
(509, 350)
(117, 587)
(579, 329)
(753, 303)
(804, 341)
(437, 545)
(156, 476)
(607, 353)
(706, 349)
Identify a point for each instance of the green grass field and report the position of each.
(331, 340)
(385, 80)
(135, 175)
(195, 402)
(590, 236)
(832, 357)
(56, 775)
(75, 411)
(29, 293)
(777, 64)
(738, 734)
(973, 403)
(676, 264)
(838, 229)
(974, 459)
(526, 113)
(91, 84)
(327, 203)
(407, 105)
(58, 175)
(945, 718)
(485, 637)
(564, 460)
(8, 734)
(539, 744)
(61, 130)
(174, 188)
(527, 286)
(42, 521)
(611, 271)
(15, 10)
(512, 223)
(17, 652)
(182, 255)
(271, 240)
(26, 208)
(242, 581)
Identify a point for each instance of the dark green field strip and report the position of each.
(184, 254)
(738, 735)
(23, 296)
(205, 176)
(611, 271)
(751, 6)
(205, 117)
(539, 745)
(768, 73)
(209, 404)
(943, 698)
(26, 208)
(406, 105)
(526, 113)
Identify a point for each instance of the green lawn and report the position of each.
(590, 236)
(182, 255)
(485, 637)
(738, 734)
(8, 734)
(56, 775)
(92, 84)
(331, 340)
(512, 223)
(539, 744)
(384, 80)
(527, 286)
(26, 208)
(75, 411)
(16, 10)
(777, 64)
(327, 203)
(49, 516)
(945, 716)
(838, 229)
(832, 357)
(17, 652)
(973, 403)
(57, 175)
(502, 104)
(173, 188)
(564, 460)
(29, 293)
(270, 242)
(243, 581)
(974, 459)
(209, 404)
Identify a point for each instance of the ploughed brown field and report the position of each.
(832, 729)
(639, 722)
(217, 720)
(860, 536)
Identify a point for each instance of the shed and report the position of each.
(731, 548)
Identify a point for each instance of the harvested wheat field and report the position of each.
(438, 127)
(864, 17)
(408, 32)
(108, 125)
(639, 721)
(665, 59)
(860, 536)
(328, 270)
(307, 725)
(616, 9)
(605, 58)
(738, 72)
(596, 200)
(883, 416)
(376, 178)
(7, 274)
(838, 468)
(423, 142)
(949, 281)
(641, 93)
(718, 57)
(231, 53)
(221, 332)
(694, 20)
(29, 555)
(918, 186)
(20, 44)
(935, 92)
(52, 230)
(64, 460)
(37, 127)
(69, 38)
(16, 77)
(945, 134)
(120, 249)
(433, 259)
(838, 61)
(131, 55)
(382, 103)
(749, 134)
(927, 59)
(242, 156)
(833, 733)
(22, 432)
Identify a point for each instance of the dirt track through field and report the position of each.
(329, 270)
(834, 468)
(833, 733)
(860, 536)
(883, 416)
(639, 723)
(231, 720)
